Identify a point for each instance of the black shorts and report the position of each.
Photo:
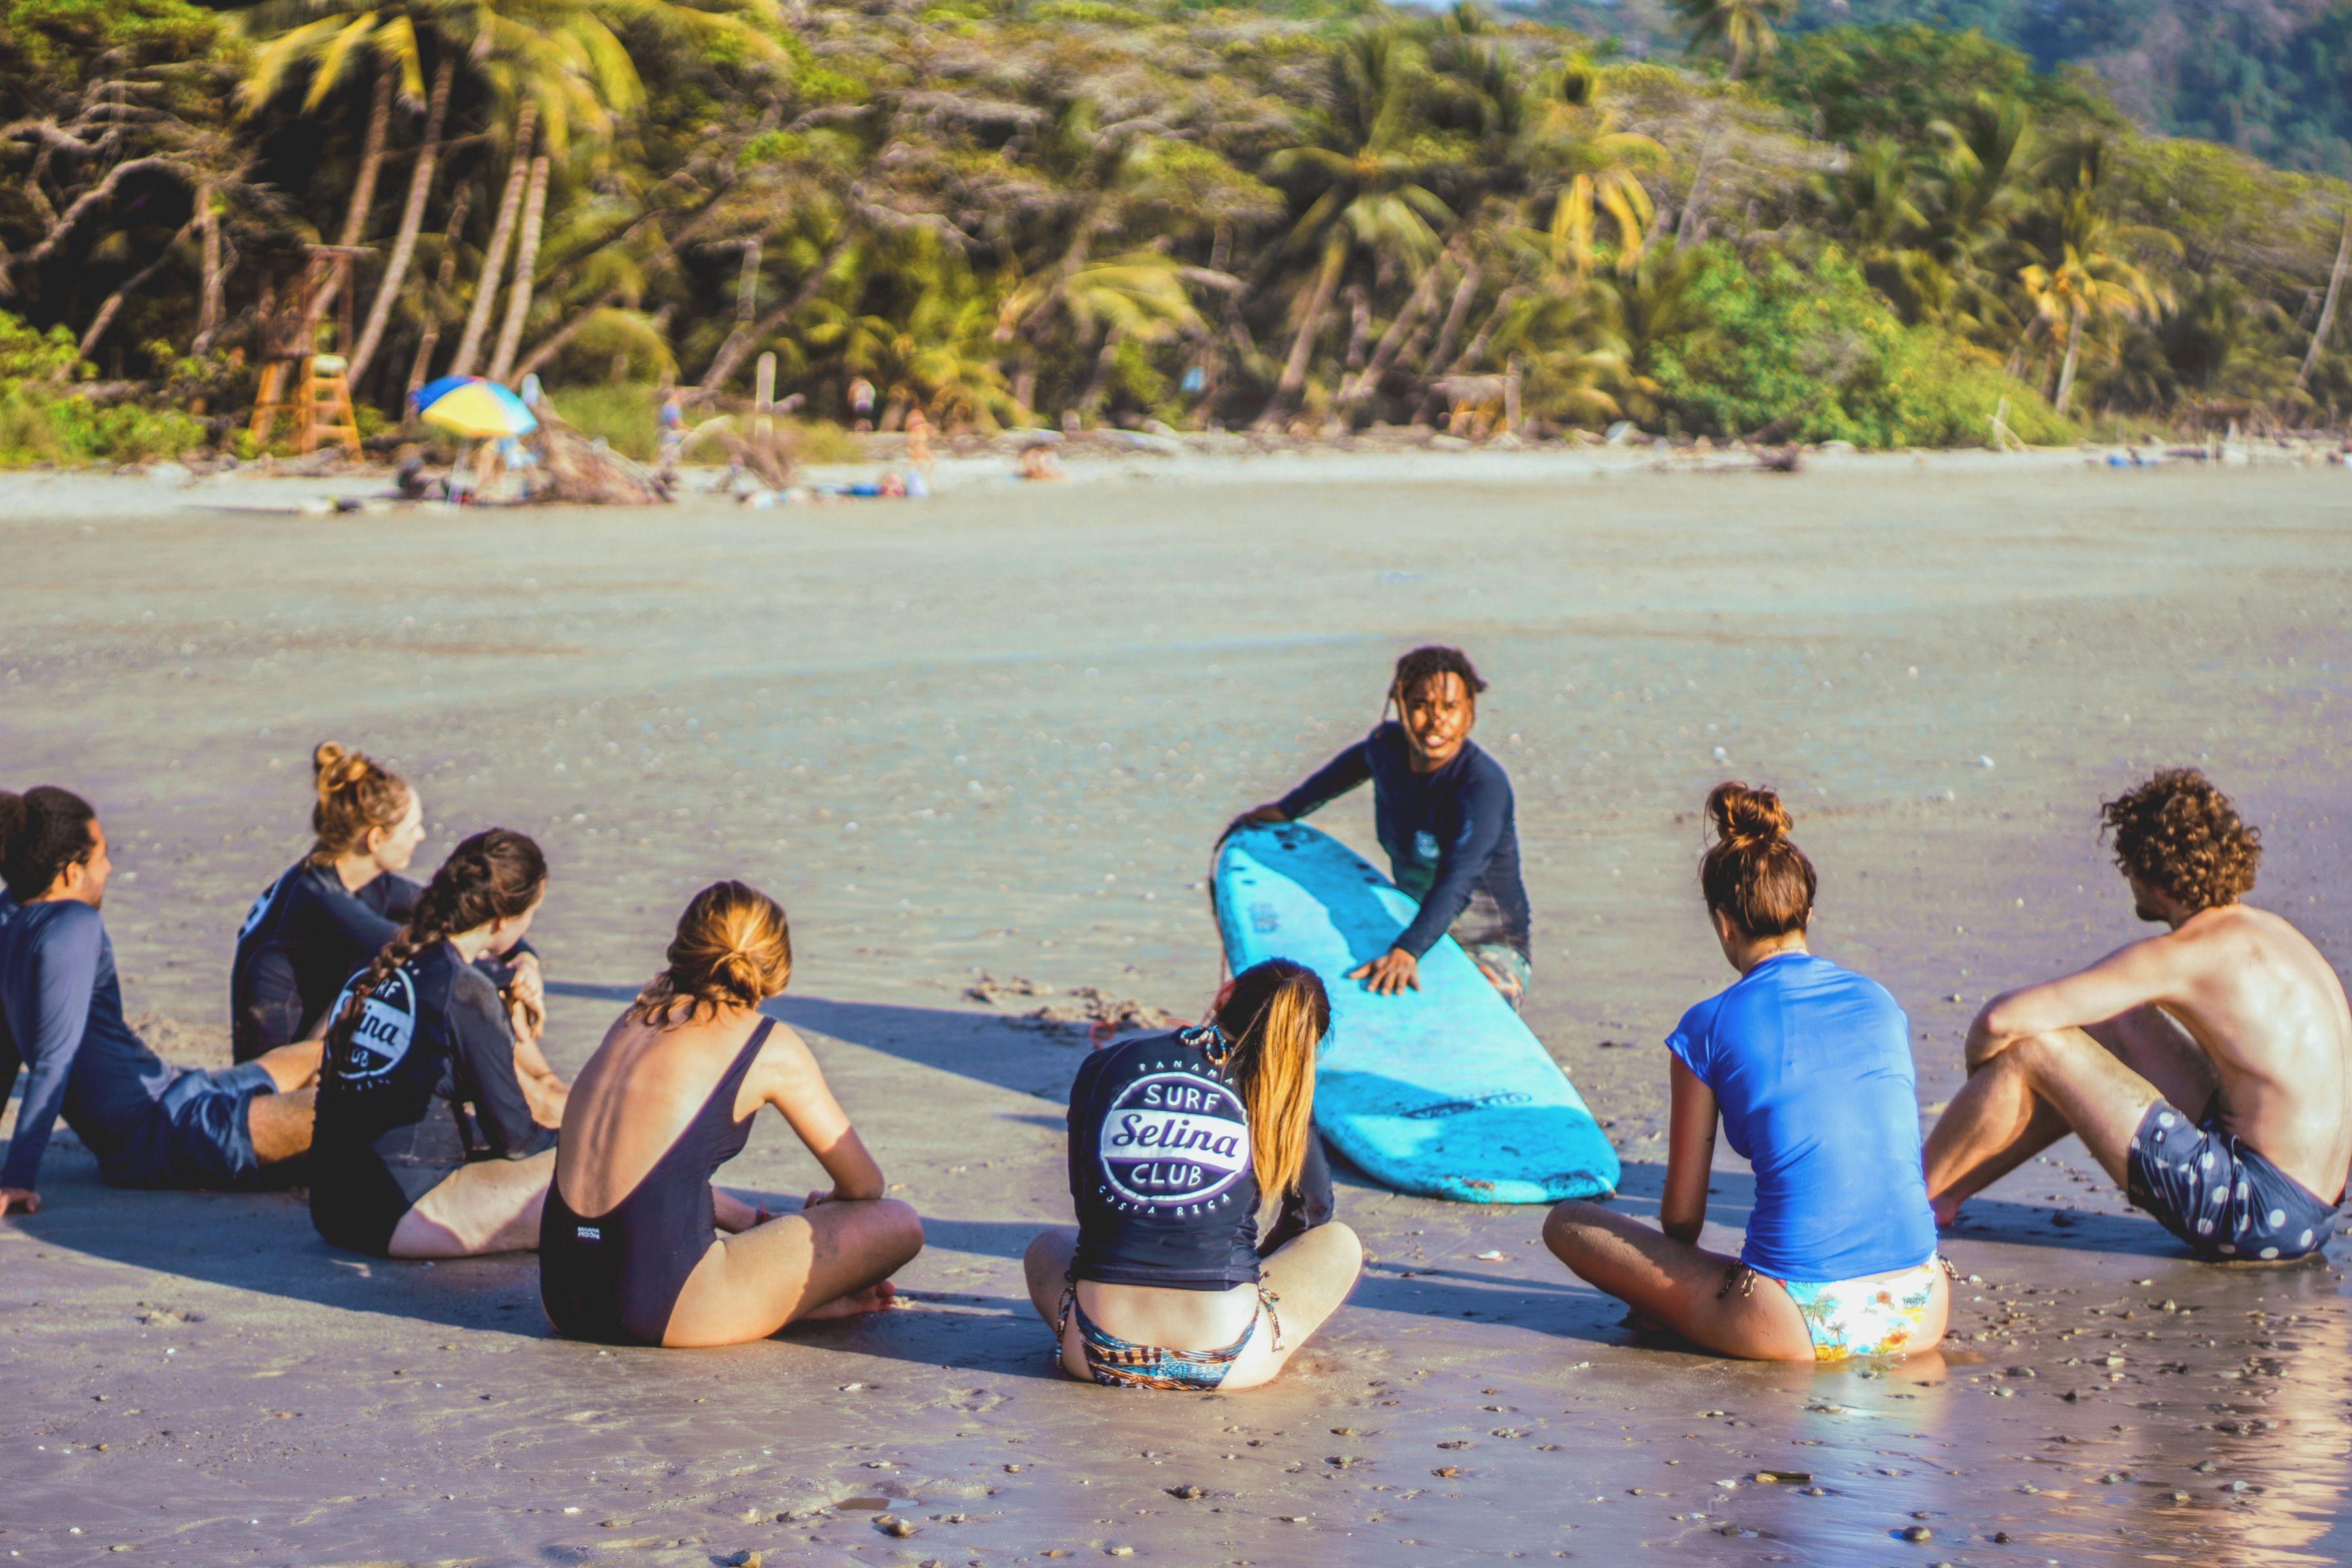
(2220, 1194)
(201, 1135)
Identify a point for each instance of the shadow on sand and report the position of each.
(264, 1242)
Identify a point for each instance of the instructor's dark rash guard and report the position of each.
(61, 1018)
(426, 1086)
(304, 937)
(1161, 1172)
(1452, 837)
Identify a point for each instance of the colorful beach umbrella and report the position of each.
(471, 406)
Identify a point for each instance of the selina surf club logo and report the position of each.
(387, 1023)
(1175, 1142)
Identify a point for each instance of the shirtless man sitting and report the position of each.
(2209, 1067)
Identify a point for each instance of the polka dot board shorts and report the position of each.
(2218, 1194)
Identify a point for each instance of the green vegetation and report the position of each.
(1315, 214)
(2268, 77)
(47, 418)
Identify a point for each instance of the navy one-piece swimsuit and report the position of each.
(616, 1277)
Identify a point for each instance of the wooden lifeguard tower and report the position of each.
(304, 388)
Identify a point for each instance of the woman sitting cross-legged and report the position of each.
(1175, 1140)
(426, 1144)
(1810, 1067)
(627, 1249)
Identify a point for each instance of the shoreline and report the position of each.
(267, 485)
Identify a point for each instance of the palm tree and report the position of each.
(1368, 192)
(2087, 276)
(566, 57)
(1738, 30)
(1139, 297)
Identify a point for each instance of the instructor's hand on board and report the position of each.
(1266, 813)
(1392, 971)
(19, 1200)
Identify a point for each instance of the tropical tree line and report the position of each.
(1072, 212)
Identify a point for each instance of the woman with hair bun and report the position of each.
(1809, 1068)
(635, 1246)
(333, 910)
(1177, 1143)
(426, 1146)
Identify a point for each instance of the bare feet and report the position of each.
(873, 1298)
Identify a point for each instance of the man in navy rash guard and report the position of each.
(149, 1123)
(1444, 812)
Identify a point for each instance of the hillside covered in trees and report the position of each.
(1085, 211)
(2272, 76)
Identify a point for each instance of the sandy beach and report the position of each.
(995, 733)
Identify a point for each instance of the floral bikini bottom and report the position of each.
(1876, 1315)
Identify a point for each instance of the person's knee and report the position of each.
(1570, 1224)
(1342, 1245)
(902, 1226)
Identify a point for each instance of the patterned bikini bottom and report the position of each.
(1878, 1315)
(1116, 1362)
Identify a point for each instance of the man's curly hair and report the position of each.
(2180, 834)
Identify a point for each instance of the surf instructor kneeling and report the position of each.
(1443, 811)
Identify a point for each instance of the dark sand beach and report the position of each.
(996, 731)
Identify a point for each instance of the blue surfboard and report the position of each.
(1440, 1091)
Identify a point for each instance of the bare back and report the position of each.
(2270, 1012)
(638, 1093)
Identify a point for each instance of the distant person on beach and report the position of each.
(427, 1146)
(331, 911)
(149, 1124)
(918, 442)
(1808, 1066)
(671, 425)
(1443, 811)
(1038, 462)
(635, 1246)
(2209, 1068)
(1177, 1141)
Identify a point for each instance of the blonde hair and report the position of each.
(733, 949)
(356, 796)
(1277, 1014)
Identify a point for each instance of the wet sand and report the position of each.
(996, 731)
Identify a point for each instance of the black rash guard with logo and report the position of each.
(426, 1086)
(303, 938)
(1161, 1171)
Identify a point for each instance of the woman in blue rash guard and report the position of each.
(1444, 812)
(426, 1146)
(1808, 1067)
(1177, 1141)
(331, 911)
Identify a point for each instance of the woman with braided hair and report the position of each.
(635, 1246)
(1178, 1141)
(1443, 811)
(1808, 1066)
(333, 910)
(426, 1144)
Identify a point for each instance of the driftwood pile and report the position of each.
(584, 472)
